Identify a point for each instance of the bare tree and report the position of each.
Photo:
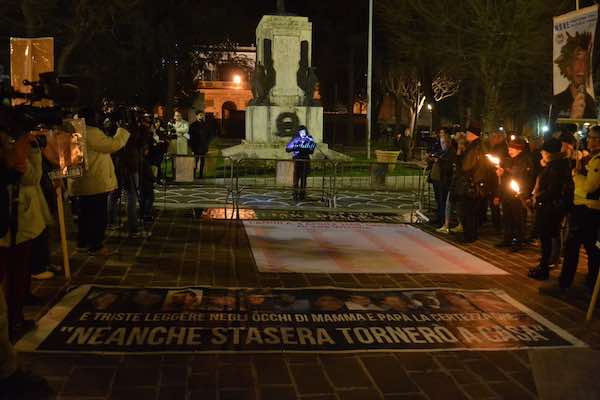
(444, 87)
(408, 92)
(497, 48)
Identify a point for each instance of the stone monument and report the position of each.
(283, 87)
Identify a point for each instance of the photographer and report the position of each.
(131, 163)
(94, 186)
(147, 177)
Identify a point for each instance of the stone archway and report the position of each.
(227, 108)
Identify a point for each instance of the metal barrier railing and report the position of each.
(325, 180)
(370, 175)
(217, 174)
(363, 175)
(303, 176)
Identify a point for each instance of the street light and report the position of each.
(430, 108)
(369, 79)
(545, 128)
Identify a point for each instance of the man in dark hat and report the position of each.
(472, 184)
(515, 173)
(552, 198)
(569, 146)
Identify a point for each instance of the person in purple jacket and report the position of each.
(302, 145)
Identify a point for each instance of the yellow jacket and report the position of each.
(34, 214)
(99, 175)
(586, 184)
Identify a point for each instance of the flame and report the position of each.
(494, 160)
(515, 186)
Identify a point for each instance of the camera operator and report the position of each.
(33, 216)
(96, 183)
(110, 117)
(131, 160)
(147, 177)
(14, 381)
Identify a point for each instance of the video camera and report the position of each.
(17, 120)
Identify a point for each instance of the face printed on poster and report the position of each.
(574, 36)
(213, 320)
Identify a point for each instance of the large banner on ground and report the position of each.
(102, 319)
(574, 36)
(357, 248)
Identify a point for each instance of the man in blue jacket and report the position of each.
(302, 145)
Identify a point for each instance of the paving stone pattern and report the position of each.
(195, 195)
(185, 250)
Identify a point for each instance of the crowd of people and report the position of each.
(546, 189)
(125, 148)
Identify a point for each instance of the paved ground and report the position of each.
(188, 250)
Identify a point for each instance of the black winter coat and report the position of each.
(473, 172)
(201, 133)
(445, 163)
(554, 186)
(520, 169)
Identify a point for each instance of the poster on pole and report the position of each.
(119, 320)
(66, 149)
(573, 44)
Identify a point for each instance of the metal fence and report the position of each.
(188, 189)
(231, 180)
(275, 174)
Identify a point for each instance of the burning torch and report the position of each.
(495, 161)
(515, 187)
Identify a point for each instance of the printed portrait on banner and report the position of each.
(574, 36)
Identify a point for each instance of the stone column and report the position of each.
(285, 34)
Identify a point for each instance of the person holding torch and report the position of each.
(515, 184)
(552, 199)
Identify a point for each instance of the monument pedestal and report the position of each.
(264, 124)
(276, 151)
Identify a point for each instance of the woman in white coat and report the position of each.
(93, 187)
